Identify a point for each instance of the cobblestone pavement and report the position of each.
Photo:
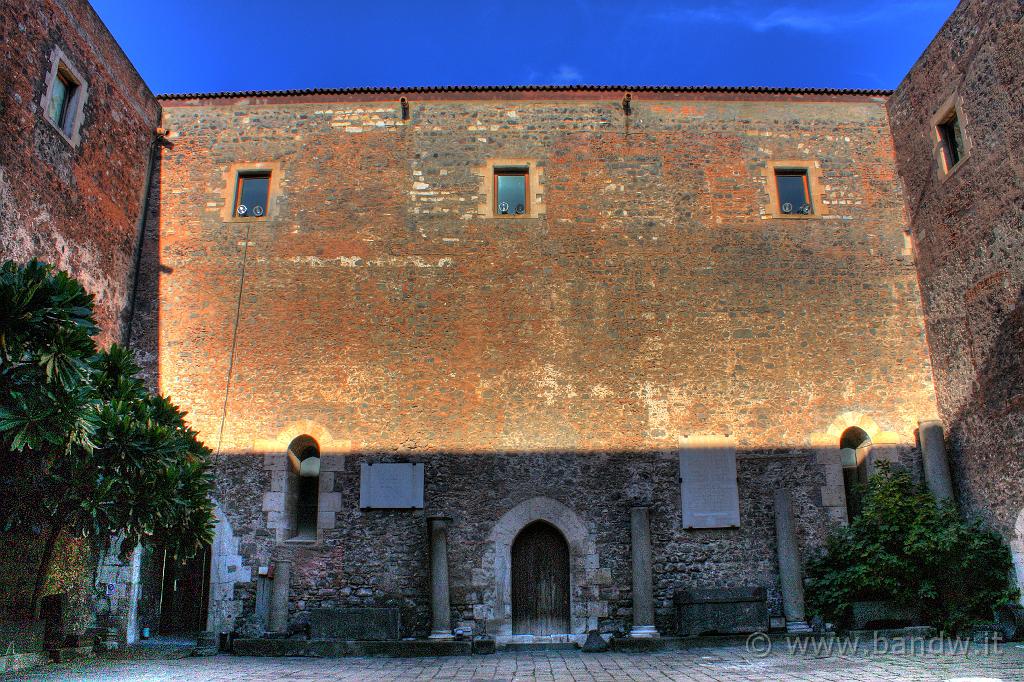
(718, 664)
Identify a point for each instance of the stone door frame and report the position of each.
(583, 564)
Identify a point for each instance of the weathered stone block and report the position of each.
(833, 496)
(365, 624)
(330, 462)
(722, 611)
(330, 502)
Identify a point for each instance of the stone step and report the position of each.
(541, 646)
(322, 648)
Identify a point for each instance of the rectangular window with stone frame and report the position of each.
(64, 97)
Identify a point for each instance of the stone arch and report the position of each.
(302, 427)
(282, 459)
(1017, 551)
(832, 434)
(583, 564)
(303, 487)
(827, 445)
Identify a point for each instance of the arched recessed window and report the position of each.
(303, 494)
(854, 447)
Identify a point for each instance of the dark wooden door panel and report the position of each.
(540, 581)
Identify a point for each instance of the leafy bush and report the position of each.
(906, 548)
(90, 451)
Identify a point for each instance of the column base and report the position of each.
(798, 627)
(441, 635)
(644, 632)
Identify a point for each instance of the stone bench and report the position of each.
(368, 624)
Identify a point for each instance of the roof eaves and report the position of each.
(531, 88)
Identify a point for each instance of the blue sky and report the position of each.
(213, 45)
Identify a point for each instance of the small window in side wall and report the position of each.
(794, 191)
(511, 191)
(252, 194)
(62, 99)
(952, 140)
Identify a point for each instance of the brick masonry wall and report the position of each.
(76, 205)
(968, 231)
(566, 355)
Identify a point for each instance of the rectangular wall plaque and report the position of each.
(707, 474)
(390, 485)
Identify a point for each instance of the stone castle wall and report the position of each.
(652, 299)
(70, 200)
(73, 202)
(563, 357)
(968, 230)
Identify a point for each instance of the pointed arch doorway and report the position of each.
(540, 581)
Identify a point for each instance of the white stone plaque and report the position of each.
(707, 474)
(389, 485)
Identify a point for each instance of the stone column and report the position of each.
(440, 603)
(643, 582)
(789, 563)
(279, 597)
(933, 455)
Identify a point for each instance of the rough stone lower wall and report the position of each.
(76, 205)
(968, 230)
(380, 557)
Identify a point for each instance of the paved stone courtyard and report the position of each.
(717, 664)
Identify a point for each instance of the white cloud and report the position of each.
(823, 17)
(566, 74)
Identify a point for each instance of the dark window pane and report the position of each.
(953, 140)
(511, 194)
(58, 102)
(252, 195)
(793, 196)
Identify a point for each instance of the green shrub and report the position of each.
(906, 548)
(89, 450)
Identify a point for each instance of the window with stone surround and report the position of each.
(791, 186)
(302, 498)
(64, 96)
(952, 144)
(794, 190)
(511, 188)
(854, 448)
(252, 190)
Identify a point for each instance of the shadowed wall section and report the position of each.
(72, 198)
(968, 228)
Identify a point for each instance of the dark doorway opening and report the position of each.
(540, 581)
(184, 593)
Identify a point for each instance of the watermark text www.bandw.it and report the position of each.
(760, 644)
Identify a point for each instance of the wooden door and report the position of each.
(540, 581)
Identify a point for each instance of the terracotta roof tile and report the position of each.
(529, 88)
